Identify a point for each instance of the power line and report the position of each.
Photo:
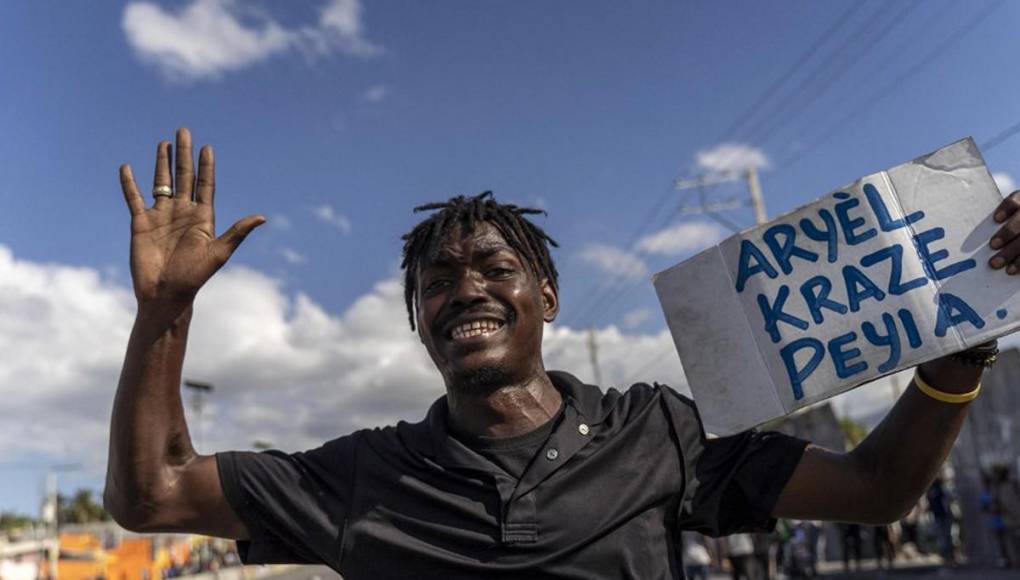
(784, 105)
(906, 41)
(815, 46)
(810, 96)
(598, 307)
(649, 365)
(583, 311)
(615, 291)
(892, 86)
(612, 292)
(828, 35)
(1003, 136)
(876, 97)
(755, 200)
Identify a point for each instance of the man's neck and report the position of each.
(506, 411)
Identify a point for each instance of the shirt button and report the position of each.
(583, 429)
(552, 454)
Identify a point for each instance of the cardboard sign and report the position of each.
(881, 275)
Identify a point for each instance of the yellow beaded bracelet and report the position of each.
(942, 395)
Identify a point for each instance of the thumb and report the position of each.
(232, 238)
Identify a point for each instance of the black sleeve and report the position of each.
(731, 483)
(294, 505)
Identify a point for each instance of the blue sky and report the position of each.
(333, 118)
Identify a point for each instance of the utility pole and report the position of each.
(894, 386)
(755, 199)
(198, 391)
(593, 351)
(50, 512)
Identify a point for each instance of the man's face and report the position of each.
(481, 311)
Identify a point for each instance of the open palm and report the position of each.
(174, 248)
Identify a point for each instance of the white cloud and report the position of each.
(280, 222)
(328, 215)
(375, 94)
(62, 331)
(875, 398)
(636, 317)
(682, 238)
(732, 157)
(285, 370)
(614, 261)
(1005, 182)
(207, 38)
(293, 256)
(624, 358)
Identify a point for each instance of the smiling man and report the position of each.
(518, 472)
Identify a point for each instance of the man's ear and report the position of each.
(550, 301)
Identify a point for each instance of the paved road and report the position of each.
(913, 573)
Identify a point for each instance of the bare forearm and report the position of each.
(904, 453)
(148, 433)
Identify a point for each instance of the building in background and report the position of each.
(990, 437)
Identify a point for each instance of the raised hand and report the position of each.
(174, 248)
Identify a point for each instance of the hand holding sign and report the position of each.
(1007, 239)
(878, 276)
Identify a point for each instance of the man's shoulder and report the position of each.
(626, 403)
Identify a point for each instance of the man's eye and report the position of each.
(435, 285)
(500, 272)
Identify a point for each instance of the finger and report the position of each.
(184, 176)
(162, 177)
(1014, 267)
(206, 176)
(134, 199)
(1008, 207)
(1007, 233)
(1007, 256)
(232, 238)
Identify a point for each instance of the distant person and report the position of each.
(797, 560)
(992, 509)
(762, 551)
(910, 536)
(851, 534)
(815, 537)
(941, 512)
(517, 471)
(740, 554)
(1007, 499)
(882, 545)
(696, 557)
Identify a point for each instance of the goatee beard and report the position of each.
(483, 379)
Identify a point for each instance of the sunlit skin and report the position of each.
(496, 384)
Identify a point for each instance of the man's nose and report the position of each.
(470, 288)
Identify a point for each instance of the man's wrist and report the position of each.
(164, 316)
(950, 375)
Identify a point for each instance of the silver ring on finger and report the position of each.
(162, 191)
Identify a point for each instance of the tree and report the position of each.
(10, 521)
(80, 509)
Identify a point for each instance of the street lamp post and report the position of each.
(199, 389)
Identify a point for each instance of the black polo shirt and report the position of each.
(617, 479)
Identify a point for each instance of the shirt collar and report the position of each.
(586, 399)
(434, 438)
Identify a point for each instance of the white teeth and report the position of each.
(475, 328)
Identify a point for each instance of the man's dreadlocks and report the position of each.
(423, 242)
